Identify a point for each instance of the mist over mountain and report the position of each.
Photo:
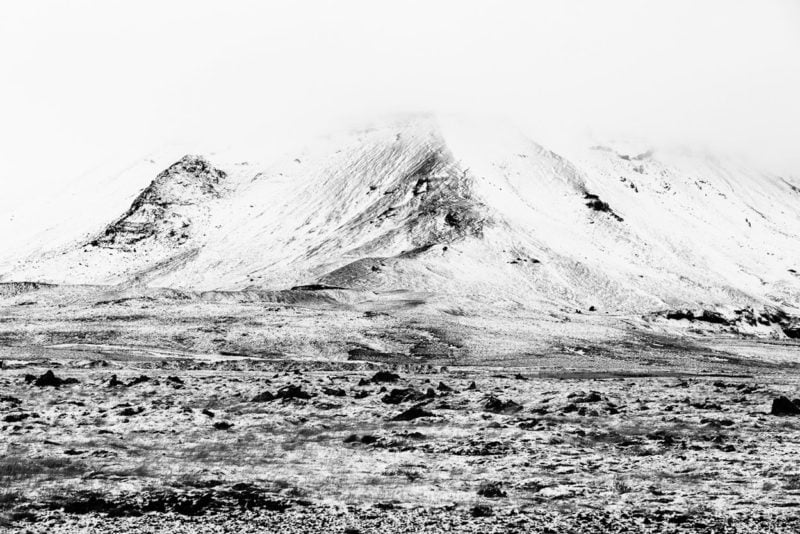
(459, 209)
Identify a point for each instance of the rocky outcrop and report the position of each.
(166, 209)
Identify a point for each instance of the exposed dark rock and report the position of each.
(130, 412)
(495, 405)
(492, 490)
(481, 510)
(444, 387)
(783, 406)
(384, 376)
(292, 392)
(11, 400)
(16, 417)
(415, 412)
(223, 425)
(581, 397)
(208, 413)
(598, 205)
(49, 379)
(397, 396)
(141, 379)
(115, 382)
(334, 392)
(264, 396)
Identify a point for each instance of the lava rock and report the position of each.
(492, 490)
(495, 405)
(481, 510)
(292, 392)
(115, 382)
(783, 406)
(398, 396)
(51, 380)
(415, 412)
(265, 396)
(384, 376)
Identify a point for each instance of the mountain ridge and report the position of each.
(464, 210)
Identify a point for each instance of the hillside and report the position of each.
(466, 213)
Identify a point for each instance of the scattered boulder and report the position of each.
(783, 406)
(11, 400)
(481, 510)
(16, 417)
(114, 382)
(495, 405)
(49, 379)
(292, 392)
(415, 412)
(208, 413)
(444, 387)
(398, 396)
(384, 376)
(264, 396)
(334, 392)
(223, 425)
(141, 379)
(130, 412)
(581, 397)
(491, 490)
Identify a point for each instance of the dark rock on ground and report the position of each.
(130, 412)
(481, 510)
(265, 396)
(384, 376)
(415, 412)
(783, 406)
(138, 380)
(492, 490)
(223, 425)
(334, 392)
(495, 405)
(115, 382)
(16, 417)
(444, 387)
(581, 397)
(49, 379)
(291, 392)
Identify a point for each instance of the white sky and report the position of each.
(86, 82)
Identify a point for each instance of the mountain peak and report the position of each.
(168, 206)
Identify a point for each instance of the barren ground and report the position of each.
(521, 449)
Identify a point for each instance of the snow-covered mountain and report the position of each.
(457, 209)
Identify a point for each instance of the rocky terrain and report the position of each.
(422, 326)
(108, 443)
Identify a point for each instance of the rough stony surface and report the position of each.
(577, 451)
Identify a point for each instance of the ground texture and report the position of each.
(153, 444)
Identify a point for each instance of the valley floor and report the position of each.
(149, 443)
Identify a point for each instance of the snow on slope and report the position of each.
(463, 210)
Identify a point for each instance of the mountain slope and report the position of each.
(469, 213)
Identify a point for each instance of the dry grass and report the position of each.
(15, 468)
